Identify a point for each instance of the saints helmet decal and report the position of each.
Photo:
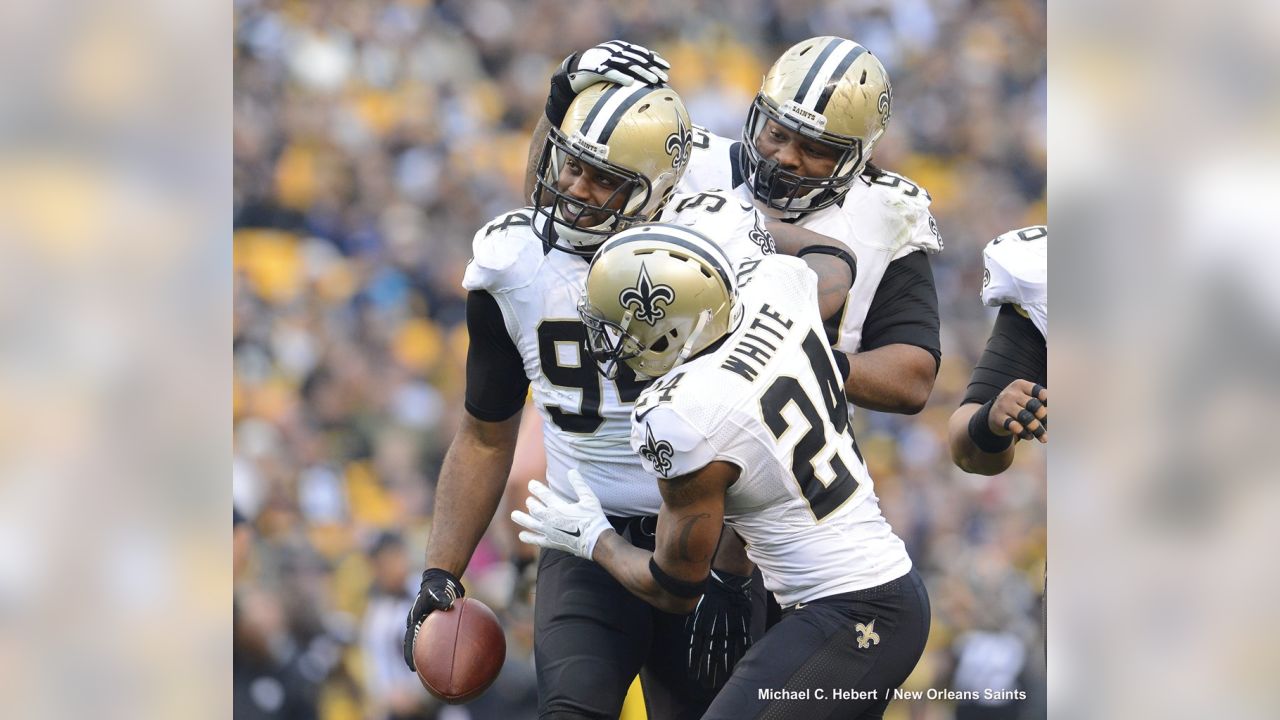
(643, 299)
(680, 144)
(655, 295)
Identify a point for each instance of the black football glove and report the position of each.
(615, 61)
(438, 591)
(719, 629)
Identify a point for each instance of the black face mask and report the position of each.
(782, 189)
(547, 197)
(763, 184)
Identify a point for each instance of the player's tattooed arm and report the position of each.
(834, 264)
(688, 529)
(731, 555)
(689, 547)
(835, 277)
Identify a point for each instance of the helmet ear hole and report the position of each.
(661, 344)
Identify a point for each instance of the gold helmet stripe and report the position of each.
(609, 111)
(829, 87)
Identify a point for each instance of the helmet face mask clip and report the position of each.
(608, 343)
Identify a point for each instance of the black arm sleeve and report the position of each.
(1015, 351)
(905, 307)
(496, 383)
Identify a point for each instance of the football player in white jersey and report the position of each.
(748, 426)
(804, 158)
(1007, 399)
(612, 162)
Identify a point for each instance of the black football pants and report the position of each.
(592, 636)
(818, 663)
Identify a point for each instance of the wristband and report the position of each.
(675, 586)
(562, 94)
(980, 431)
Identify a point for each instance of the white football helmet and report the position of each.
(657, 294)
(832, 91)
(639, 134)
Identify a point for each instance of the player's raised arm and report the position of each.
(615, 61)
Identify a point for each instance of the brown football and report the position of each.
(459, 651)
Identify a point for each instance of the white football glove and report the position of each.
(560, 524)
(620, 62)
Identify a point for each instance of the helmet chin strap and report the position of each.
(579, 237)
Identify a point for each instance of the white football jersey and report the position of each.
(879, 220)
(585, 417)
(1016, 270)
(770, 400)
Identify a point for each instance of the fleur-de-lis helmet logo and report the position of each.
(680, 143)
(643, 299)
(657, 452)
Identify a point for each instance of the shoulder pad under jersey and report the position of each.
(505, 253)
(1016, 267)
(902, 207)
(667, 443)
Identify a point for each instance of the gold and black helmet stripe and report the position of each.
(825, 73)
(836, 75)
(610, 110)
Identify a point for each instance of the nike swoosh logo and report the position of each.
(640, 416)
(575, 533)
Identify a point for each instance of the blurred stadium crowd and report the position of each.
(373, 137)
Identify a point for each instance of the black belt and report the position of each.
(893, 587)
(638, 530)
